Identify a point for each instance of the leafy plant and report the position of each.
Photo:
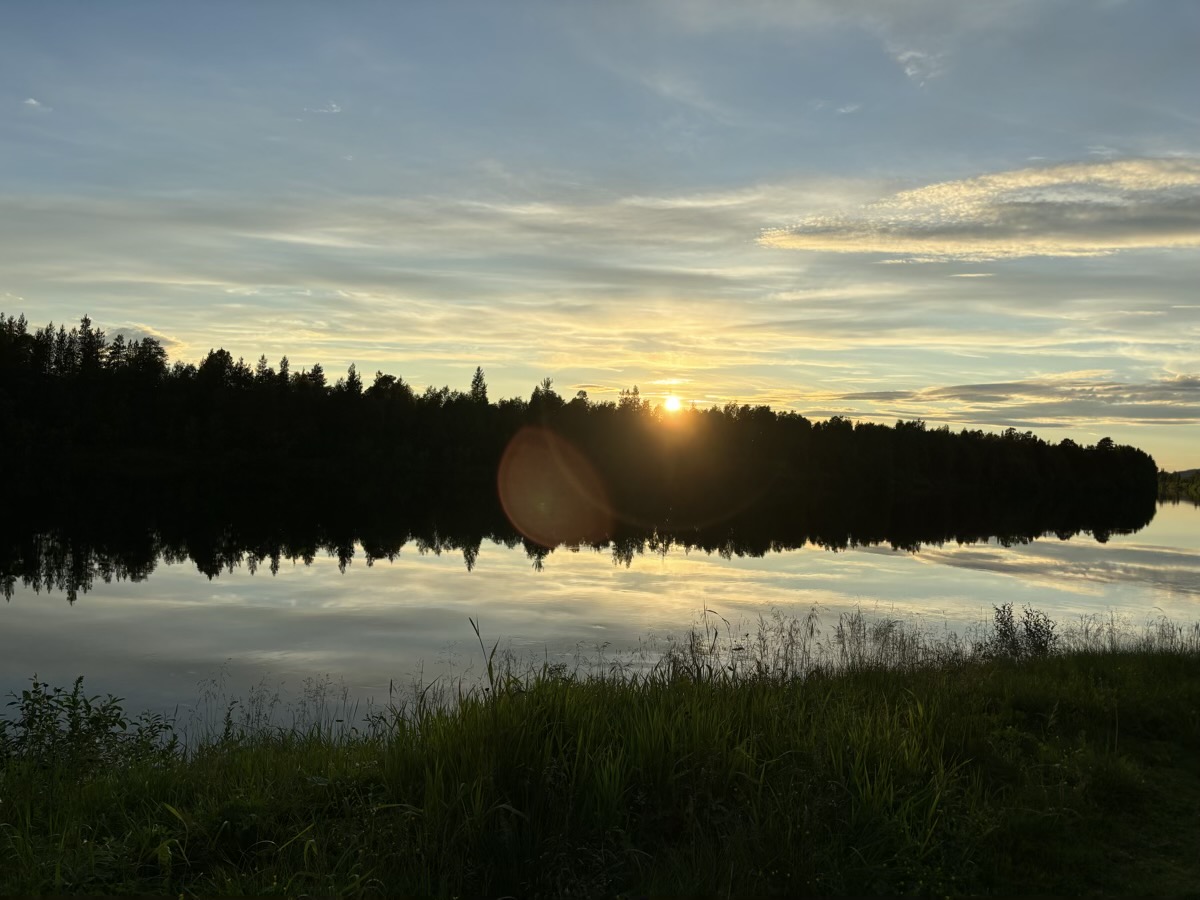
(54, 726)
(1032, 636)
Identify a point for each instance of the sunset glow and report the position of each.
(578, 400)
(968, 213)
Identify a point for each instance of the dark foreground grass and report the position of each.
(892, 764)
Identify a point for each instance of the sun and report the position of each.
(672, 403)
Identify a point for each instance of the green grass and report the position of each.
(876, 759)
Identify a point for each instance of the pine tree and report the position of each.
(479, 387)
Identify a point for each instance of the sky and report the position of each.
(986, 215)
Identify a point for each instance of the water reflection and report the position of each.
(173, 609)
(1083, 569)
(73, 557)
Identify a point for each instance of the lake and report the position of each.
(158, 640)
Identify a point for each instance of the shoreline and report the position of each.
(1016, 763)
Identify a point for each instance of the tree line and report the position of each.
(98, 424)
(1176, 486)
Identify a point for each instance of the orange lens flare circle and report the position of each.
(550, 492)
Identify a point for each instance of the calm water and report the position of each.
(153, 642)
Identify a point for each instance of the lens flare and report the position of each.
(550, 492)
(672, 403)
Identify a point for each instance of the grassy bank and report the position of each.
(877, 760)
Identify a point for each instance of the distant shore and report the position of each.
(1184, 485)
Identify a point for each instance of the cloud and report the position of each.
(1077, 209)
(136, 331)
(31, 103)
(330, 108)
(909, 17)
(593, 287)
(848, 109)
(919, 35)
(1071, 398)
(679, 89)
(1080, 566)
(918, 65)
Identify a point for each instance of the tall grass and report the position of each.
(868, 757)
(782, 646)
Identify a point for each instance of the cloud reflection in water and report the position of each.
(153, 641)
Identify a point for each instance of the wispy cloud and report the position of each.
(330, 108)
(33, 103)
(1081, 568)
(1071, 398)
(136, 331)
(602, 290)
(919, 65)
(893, 17)
(916, 34)
(1080, 209)
(680, 89)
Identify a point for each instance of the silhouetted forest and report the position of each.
(117, 456)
